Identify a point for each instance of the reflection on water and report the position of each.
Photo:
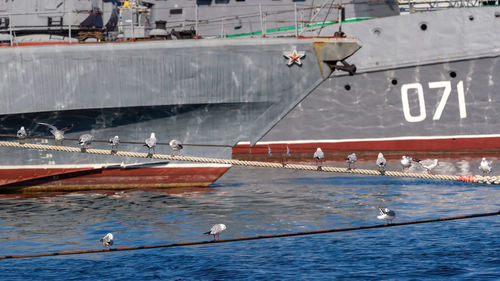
(251, 202)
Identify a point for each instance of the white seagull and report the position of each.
(319, 156)
(428, 164)
(85, 140)
(287, 156)
(485, 166)
(21, 135)
(114, 142)
(176, 146)
(107, 240)
(381, 163)
(216, 230)
(351, 160)
(58, 134)
(150, 144)
(386, 214)
(406, 163)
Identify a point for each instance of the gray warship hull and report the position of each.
(207, 93)
(426, 83)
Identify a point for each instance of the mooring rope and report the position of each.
(121, 141)
(261, 164)
(251, 238)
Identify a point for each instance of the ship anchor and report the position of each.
(344, 66)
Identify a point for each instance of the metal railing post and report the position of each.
(10, 29)
(296, 27)
(196, 20)
(70, 16)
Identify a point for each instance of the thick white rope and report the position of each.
(468, 178)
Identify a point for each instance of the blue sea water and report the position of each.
(254, 202)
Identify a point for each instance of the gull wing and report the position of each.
(48, 125)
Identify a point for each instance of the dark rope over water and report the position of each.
(251, 238)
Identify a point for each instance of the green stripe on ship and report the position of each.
(291, 28)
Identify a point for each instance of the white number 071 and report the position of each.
(421, 102)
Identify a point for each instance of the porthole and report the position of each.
(453, 74)
(377, 32)
(423, 26)
(394, 82)
(347, 87)
(471, 17)
(497, 15)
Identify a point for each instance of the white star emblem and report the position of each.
(294, 57)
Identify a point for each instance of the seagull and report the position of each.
(406, 163)
(428, 164)
(386, 214)
(381, 162)
(216, 230)
(176, 146)
(114, 142)
(107, 240)
(21, 135)
(351, 160)
(319, 156)
(485, 166)
(287, 156)
(58, 134)
(85, 140)
(151, 144)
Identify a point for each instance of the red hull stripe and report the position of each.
(439, 144)
(61, 179)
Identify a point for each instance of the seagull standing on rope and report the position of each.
(485, 166)
(58, 134)
(216, 230)
(406, 163)
(21, 135)
(107, 240)
(287, 156)
(114, 142)
(150, 143)
(381, 163)
(85, 140)
(428, 164)
(319, 156)
(351, 160)
(176, 146)
(386, 214)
